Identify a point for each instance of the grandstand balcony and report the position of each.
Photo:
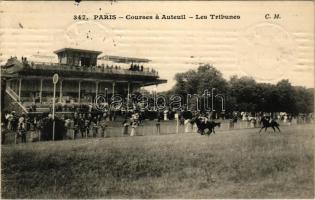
(46, 68)
(81, 78)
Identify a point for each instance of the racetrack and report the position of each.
(228, 164)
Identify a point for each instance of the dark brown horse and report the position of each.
(202, 126)
(266, 124)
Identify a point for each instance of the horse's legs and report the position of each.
(278, 128)
(274, 130)
(261, 129)
(266, 128)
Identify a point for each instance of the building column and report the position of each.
(79, 92)
(96, 89)
(20, 86)
(41, 90)
(128, 93)
(113, 92)
(16, 86)
(9, 84)
(60, 91)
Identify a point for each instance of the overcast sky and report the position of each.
(268, 50)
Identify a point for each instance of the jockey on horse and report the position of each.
(203, 123)
(268, 122)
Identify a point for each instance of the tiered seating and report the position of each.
(40, 108)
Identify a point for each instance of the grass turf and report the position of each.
(229, 164)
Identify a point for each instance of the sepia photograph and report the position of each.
(157, 99)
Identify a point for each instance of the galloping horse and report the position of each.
(202, 126)
(266, 124)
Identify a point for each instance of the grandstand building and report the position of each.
(27, 84)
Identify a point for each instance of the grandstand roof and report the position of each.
(77, 50)
(121, 59)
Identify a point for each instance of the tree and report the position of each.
(198, 81)
(266, 97)
(244, 91)
(304, 99)
(286, 97)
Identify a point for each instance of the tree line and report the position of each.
(244, 93)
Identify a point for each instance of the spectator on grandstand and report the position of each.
(93, 126)
(233, 121)
(76, 124)
(134, 125)
(103, 124)
(4, 132)
(32, 129)
(125, 126)
(69, 127)
(82, 125)
(187, 115)
(86, 126)
(9, 119)
(253, 122)
(231, 124)
(14, 121)
(4, 118)
(39, 127)
(21, 130)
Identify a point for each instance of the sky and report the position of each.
(267, 49)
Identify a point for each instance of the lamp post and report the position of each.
(55, 81)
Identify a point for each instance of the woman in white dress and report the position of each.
(134, 125)
(187, 125)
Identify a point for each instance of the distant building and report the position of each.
(27, 83)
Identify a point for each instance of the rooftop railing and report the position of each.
(94, 69)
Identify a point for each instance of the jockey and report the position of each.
(269, 119)
(272, 120)
(203, 119)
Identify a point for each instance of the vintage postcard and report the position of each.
(157, 99)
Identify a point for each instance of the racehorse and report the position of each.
(202, 126)
(266, 124)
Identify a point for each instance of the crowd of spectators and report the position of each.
(85, 122)
(82, 123)
(100, 68)
(136, 67)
